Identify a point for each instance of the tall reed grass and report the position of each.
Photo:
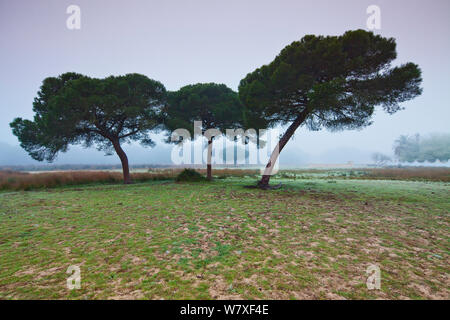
(13, 180)
(412, 173)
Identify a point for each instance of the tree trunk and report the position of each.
(124, 160)
(264, 182)
(208, 162)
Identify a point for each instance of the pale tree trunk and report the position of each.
(208, 162)
(264, 182)
(124, 160)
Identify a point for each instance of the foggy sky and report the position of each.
(186, 42)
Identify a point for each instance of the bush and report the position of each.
(190, 175)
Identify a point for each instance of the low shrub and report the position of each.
(10, 180)
(190, 175)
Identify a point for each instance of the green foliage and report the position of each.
(216, 105)
(76, 109)
(435, 147)
(189, 175)
(333, 82)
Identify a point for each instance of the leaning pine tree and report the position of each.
(333, 82)
(75, 109)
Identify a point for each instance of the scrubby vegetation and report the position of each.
(10, 180)
(401, 173)
(13, 180)
(189, 175)
(413, 173)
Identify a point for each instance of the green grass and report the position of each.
(314, 238)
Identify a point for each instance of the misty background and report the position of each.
(187, 42)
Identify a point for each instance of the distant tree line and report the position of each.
(432, 148)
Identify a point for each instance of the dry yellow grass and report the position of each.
(25, 181)
(13, 180)
(413, 173)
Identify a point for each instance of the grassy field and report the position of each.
(312, 239)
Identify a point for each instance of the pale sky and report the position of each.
(186, 42)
